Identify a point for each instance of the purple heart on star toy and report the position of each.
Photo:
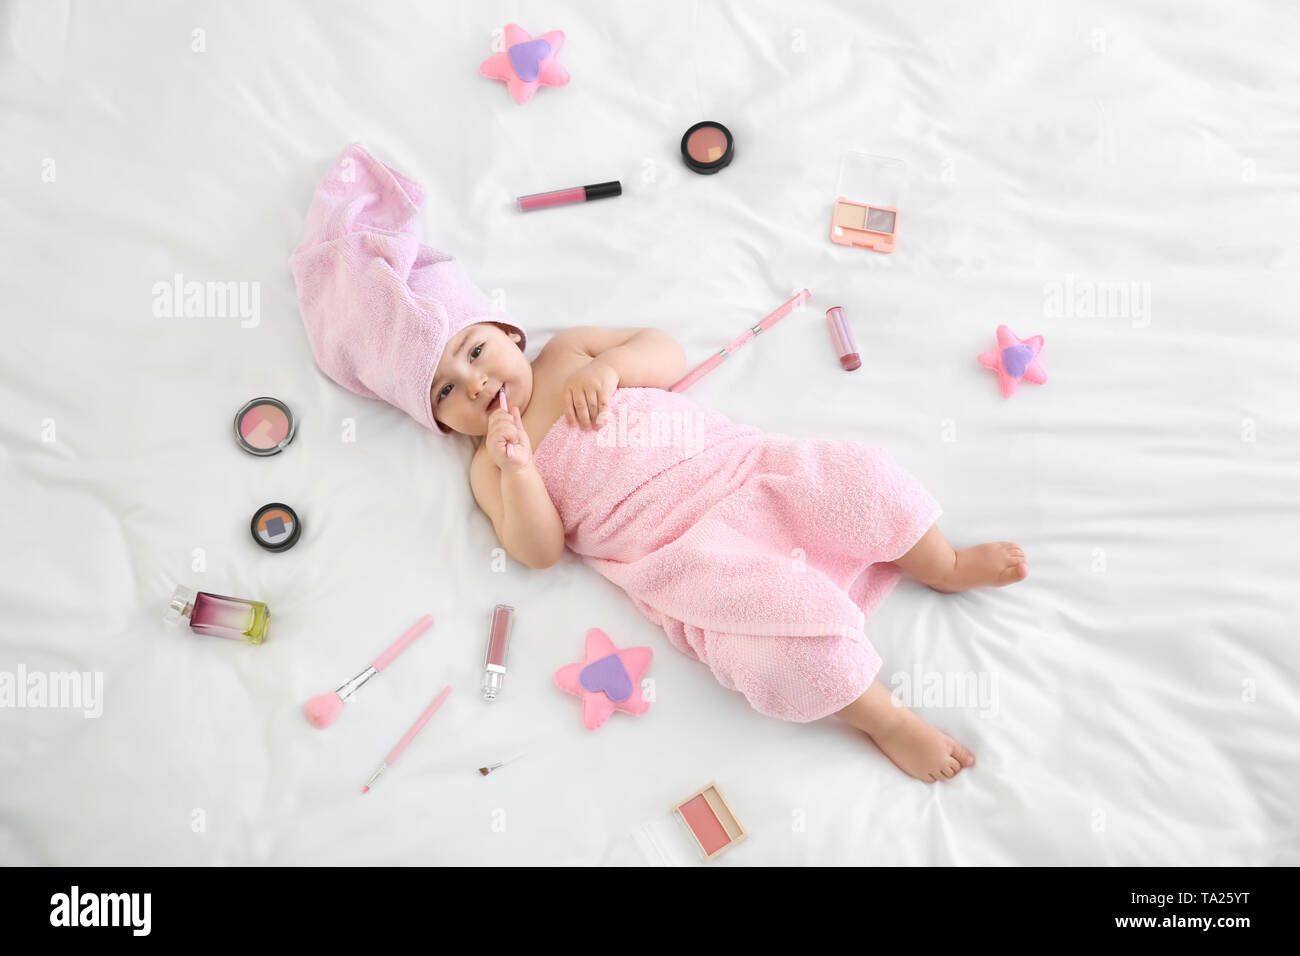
(1016, 358)
(609, 675)
(527, 57)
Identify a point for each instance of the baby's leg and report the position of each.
(933, 561)
(808, 678)
(914, 746)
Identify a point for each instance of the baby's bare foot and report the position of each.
(920, 750)
(990, 565)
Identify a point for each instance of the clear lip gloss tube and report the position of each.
(842, 338)
(494, 665)
(219, 616)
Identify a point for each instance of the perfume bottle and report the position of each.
(219, 616)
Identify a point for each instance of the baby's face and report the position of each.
(478, 360)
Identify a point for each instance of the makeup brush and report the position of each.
(323, 709)
(510, 449)
(408, 737)
(498, 765)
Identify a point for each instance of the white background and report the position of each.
(1145, 674)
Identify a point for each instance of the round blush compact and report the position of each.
(707, 147)
(264, 426)
(275, 527)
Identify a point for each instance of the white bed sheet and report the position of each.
(1143, 704)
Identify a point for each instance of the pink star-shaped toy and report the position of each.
(527, 63)
(607, 679)
(1016, 360)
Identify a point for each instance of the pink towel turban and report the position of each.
(379, 305)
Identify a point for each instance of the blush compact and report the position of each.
(707, 147)
(711, 821)
(264, 426)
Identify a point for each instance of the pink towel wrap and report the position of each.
(760, 555)
(380, 306)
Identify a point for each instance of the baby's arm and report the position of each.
(630, 358)
(646, 358)
(509, 490)
(521, 510)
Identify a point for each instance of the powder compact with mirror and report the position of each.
(865, 214)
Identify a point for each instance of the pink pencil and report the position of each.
(510, 449)
(709, 364)
(408, 737)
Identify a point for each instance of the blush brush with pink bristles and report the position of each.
(323, 709)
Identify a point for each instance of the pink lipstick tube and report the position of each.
(563, 197)
(494, 664)
(842, 339)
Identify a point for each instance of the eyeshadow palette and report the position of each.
(865, 214)
(275, 527)
(870, 227)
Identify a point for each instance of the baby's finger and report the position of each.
(580, 404)
(570, 415)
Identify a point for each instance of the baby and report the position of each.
(574, 377)
(391, 318)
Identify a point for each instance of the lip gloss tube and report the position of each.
(494, 664)
(563, 197)
(842, 339)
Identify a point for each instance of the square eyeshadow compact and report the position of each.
(865, 214)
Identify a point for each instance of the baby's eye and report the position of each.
(473, 354)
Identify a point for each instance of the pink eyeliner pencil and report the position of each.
(709, 364)
(510, 449)
(408, 737)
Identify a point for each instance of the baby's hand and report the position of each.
(507, 428)
(587, 393)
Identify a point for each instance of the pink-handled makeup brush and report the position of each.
(510, 449)
(408, 737)
(323, 709)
